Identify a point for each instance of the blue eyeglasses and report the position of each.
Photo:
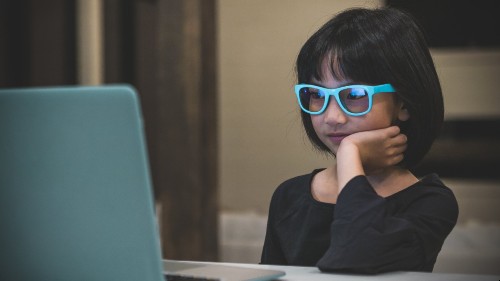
(355, 100)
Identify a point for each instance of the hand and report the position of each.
(377, 149)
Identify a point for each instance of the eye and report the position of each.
(314, 93)
(355, 94)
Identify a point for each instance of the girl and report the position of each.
(369, 95)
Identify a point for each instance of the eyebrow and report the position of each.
(339, 86)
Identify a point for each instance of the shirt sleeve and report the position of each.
(368, 237)
(271, 251)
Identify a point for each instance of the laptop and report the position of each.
(75, 190)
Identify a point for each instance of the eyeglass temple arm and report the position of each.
(386, 88)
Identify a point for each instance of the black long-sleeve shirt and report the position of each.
(363, 232)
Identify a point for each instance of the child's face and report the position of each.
(333, 125)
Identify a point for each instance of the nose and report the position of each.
(333, 114)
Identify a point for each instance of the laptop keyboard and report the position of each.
(170, 277)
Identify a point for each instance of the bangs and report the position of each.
(309, 67)
(352, 51)
(335, 67)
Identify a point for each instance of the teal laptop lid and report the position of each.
(75, 190)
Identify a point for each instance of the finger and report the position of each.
(396, 150)
(399, 139)
(400, 149)
(392, 131)
(397, 159)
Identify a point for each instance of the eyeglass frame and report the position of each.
(370, 90)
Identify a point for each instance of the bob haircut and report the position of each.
(376, 47)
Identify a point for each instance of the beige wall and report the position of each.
(470, 79)
(261, 139)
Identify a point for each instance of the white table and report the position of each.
(296, 273)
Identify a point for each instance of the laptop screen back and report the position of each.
(75, 186)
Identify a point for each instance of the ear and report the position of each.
(403, 114)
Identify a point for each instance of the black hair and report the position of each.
(378, 46)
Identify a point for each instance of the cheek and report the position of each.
(379, 122)
(380, 117)
(316, 121)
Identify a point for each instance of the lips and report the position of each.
(337, 138)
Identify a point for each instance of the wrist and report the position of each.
(349, 163)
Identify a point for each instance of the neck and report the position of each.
(391, 180)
